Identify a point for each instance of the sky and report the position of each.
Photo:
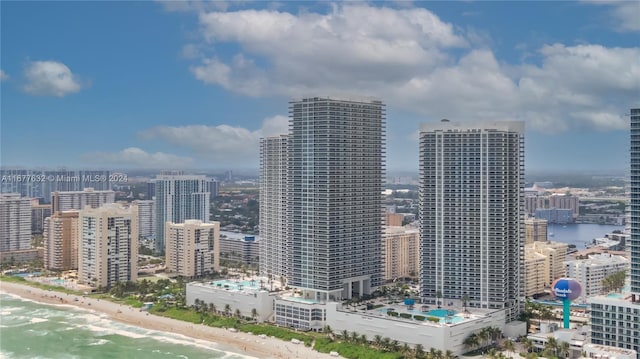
(190, 84)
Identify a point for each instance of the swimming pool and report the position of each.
(236, 285)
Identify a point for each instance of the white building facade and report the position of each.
(15, 222)
(472, 213)
(147, 218)
(179, 197)
(77, 200)
(274, 252)
(335, 171)
(591, 271)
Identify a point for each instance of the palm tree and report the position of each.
(564, 349)
(528, 344)
(386, 343)
(363, 339)
(552, 345)
(405, 348)
(439, 296)
(212, 308)
(509, 345)
(354, 337)
(237, 313)
(472, 341)
(394, 346)
(449, 355)
(345, 335)
(419, 351)
(377, 341)
(227, 310)
(254, 313)
(438, 354)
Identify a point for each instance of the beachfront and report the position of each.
(252, 345)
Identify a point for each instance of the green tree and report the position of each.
(254, 313)
(227, 310)
(509, 346)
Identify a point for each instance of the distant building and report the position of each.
(533, 202)
(274, 249)
(536, 278)
(591, 271)
(472, 214)
(15, 222)
(535, 230)
(214, 188)
(151, 189)
(394, 219)
(147, 218)
(61, 233)
(178, 198)
(38, 214)
(108, 245)
(555, 215)
(401, 248)
(555, 253)
(239, 249)
(565, 201)
(192, 248)
(42, 183)
(78, 200)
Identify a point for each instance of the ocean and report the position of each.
(33, 330)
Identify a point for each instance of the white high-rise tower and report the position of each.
(472, 214)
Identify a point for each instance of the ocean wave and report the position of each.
(37, 320)
(100, 342)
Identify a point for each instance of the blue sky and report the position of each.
(188, 84)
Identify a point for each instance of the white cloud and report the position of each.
(222, 143)
(138, 158)
(50, 78)
(624, 13)
(406, 57)
(3, 75)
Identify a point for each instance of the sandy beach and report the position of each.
(244, 343)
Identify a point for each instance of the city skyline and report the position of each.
(194, 87)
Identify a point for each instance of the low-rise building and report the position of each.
(591, 271)
(238, 248)
(596, 351)
(227, 296)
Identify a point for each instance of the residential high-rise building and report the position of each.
(634, 243)
(472, 214)
(38, 214)
(151, 190)
(193, 248)
(146, 218)
(15, 222)
(274, 253)
(539, 277)
(535, 230)
(61, 233)
(335, 183)
(108, 245)
(179, 197)
(42, 183)
(565, 201)
(77, 200)
(615, 320)
(401, 253)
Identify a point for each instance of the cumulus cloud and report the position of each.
(3, 75)
(138, 158)
(416, 62)
(222, 143)
(50, 78)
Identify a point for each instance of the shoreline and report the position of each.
(235, 342)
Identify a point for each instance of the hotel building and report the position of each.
(591, 271)
(192, 248)
(108, 245)
(472, 214)
(61, 233)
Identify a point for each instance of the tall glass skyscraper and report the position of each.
(334, 194)
(635, 201)
(472, 214)
(178, 198)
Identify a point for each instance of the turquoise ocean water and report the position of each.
(32, 330)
